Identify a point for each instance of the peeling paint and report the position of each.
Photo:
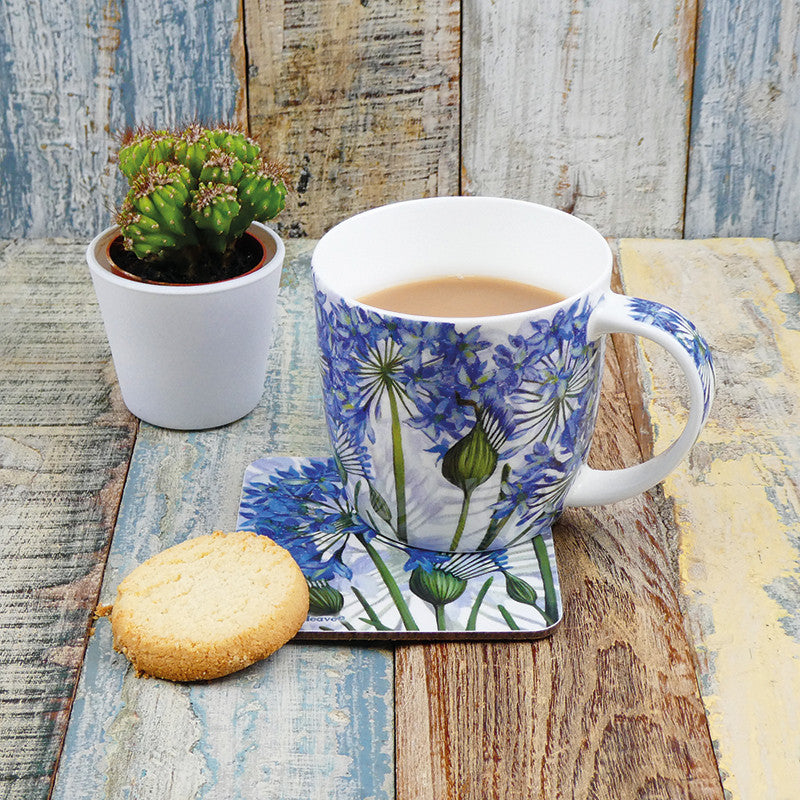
(744, 171)
(790, 305)
(73, 76)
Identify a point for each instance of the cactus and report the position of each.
(193, 193)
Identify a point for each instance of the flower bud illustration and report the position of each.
(323, 599)
(520, 590)
(379, 505)
(437, 587)
(472, 460)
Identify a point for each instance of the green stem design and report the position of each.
(373, 617)
(550, 598)
(441, 625)
(343, 622)
(462, 520)
(493, 531)
(521, 536)
(473, 614)
(496, 525)
(508, 618)
(398, 464)
(391, 584)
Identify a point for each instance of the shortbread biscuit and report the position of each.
(209, 606)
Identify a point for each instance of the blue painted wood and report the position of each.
(74, 74)
(310, 721)
(744, 165)
(65, 441)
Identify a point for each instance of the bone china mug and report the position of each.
(472, 433)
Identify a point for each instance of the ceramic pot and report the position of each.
(195, 356)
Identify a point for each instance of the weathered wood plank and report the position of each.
(736, 499)
(627, 352)
(360, 98)
(73, 75)
(579, 106)
(744, 167)
(606, 708)
(311, 721)
(65, 441)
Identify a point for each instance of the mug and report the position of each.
(472, 433)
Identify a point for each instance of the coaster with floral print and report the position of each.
(363, 585)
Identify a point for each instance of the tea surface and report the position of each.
(468, 296)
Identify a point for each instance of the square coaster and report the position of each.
(365, 586)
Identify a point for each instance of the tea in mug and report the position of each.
(457, 296)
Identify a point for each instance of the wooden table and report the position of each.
(675, 673)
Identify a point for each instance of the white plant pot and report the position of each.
(189, 357)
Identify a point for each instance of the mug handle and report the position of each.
(616, 313)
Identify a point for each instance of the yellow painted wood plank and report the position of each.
(736, 499)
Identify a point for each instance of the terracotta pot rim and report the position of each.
(123, 273)
(103, 267)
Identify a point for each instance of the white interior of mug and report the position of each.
(465, 236)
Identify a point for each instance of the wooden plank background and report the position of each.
(745, 139)
(73, 76)
(652, 117)
(360, 98)
(581, 106)
(736, 498)
(65, 443)
(311, 722)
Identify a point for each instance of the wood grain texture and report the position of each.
(360, 98)
(581, 105)
(311, 721)
(736, 499)
(71, 76)
(626, 348)
(790, 253)
(65, 441)
(607, 707)
(744, 169)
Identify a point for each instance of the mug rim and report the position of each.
(599, 284)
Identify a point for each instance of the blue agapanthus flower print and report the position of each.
(361, 583)
(308, 513)
(408, 398)
(682, 329)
